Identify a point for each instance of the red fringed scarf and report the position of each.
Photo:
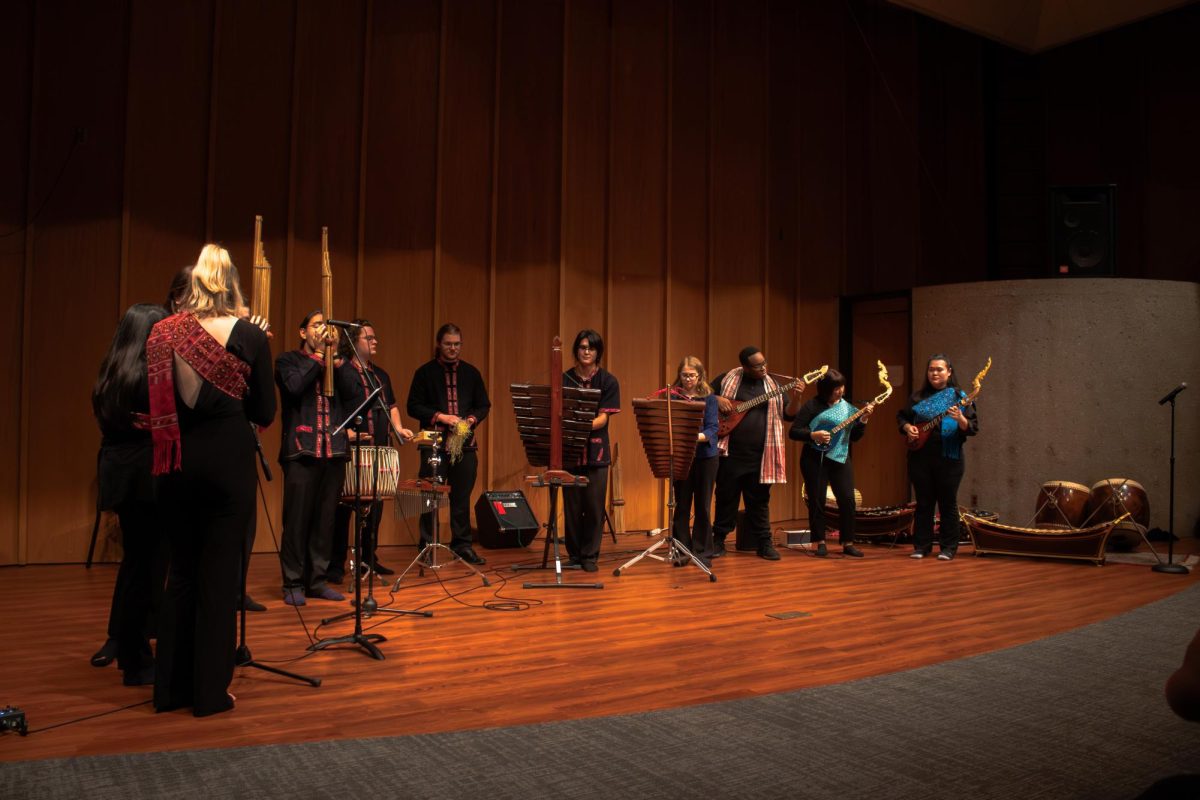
(182, 334)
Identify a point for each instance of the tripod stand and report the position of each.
(242, 656)
(433, 496)
(661, 433)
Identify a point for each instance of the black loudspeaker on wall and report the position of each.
(1083, 230)
(504, 519)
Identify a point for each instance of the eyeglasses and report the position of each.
(587, 348)
(371, 338)
(760, 365)
(689, 375)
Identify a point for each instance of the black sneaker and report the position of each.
(589, 565)
(469, 555)
(822, 551)
(920, 553)
(946, 555)
(768, 552)
(852, 551)
(718, 547)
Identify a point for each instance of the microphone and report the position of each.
(343, 324)
(1171, 395)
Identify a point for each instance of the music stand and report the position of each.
(554, 424)
(668, 429)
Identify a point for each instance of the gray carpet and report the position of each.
(1079, 715)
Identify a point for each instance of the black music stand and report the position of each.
(554, 423)
(668, 429)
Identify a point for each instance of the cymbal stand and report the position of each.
(427, 558)
(365, 641)
(667, 535)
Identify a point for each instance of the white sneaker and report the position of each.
(918, 554)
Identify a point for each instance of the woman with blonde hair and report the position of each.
(692, 524)
(210, 376)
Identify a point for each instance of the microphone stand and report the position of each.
(242, 656)
(365, 641)
(1170, 567)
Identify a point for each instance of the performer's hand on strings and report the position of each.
(821, 437)
(724, 404)
(955, 413)
(912, 432)
(868, 410)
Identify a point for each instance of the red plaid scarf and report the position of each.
(773, 468)
(182, 334)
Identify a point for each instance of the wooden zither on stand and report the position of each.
(554, 424)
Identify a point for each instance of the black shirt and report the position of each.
(599, 453)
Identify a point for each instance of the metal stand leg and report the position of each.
(552, 537)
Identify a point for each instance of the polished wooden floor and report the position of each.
(655, 637)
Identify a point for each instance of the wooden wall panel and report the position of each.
(249, 174)
(326, 123)
(688, 270)
(463, 247)
(16, 64)
(739, 188)
(586, 167)
(166, 144)
(637, 240)
(527, 220)
(72, 289)
(398, 285)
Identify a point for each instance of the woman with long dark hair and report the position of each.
(120, 403)
(210, 376)
(823, 468)
(936, 469)
(583, 508)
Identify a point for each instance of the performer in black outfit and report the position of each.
(209, 377)
(583, 508)
(936, 470)
(752, 454)
(832, 467)
(357, 349)
(447, 393)
(314, 462)
(693, 528)
(121, 405)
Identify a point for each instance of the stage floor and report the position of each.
(656, 637)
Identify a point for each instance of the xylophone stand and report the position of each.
(554, 480)
(427, 557)
(676, 552)
(365, 641)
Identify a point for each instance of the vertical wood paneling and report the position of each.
(527, 219)
(688, 271)
(329, 76)
(166, 139)
(463, 247)
(250, 170)
(16, 64)
(400, 193)
(738, 183)
(637, 232)
(586, 119)
(73, 272)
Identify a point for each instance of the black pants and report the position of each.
(460, 476)
(738, 480)
(343, 536)
(138, 592)
(695, 493)
(583, 514)
(310, 494)
(935, 480)
(821, 472)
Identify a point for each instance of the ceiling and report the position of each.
(1036, 25)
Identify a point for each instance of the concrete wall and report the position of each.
(1079, 368)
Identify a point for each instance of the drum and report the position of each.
(378, 467)
(1113, 497)
(1061, 504)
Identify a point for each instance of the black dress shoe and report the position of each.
(718, 547)
(469, 555)
(768, 552)
(822, 550)
(852, 551)
(589, 565)
(251, 604)
(380, 569)
(106, 654)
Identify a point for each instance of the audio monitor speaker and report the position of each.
(504, 519)
(1083, 230)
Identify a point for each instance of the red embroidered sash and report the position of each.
(183, 334)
